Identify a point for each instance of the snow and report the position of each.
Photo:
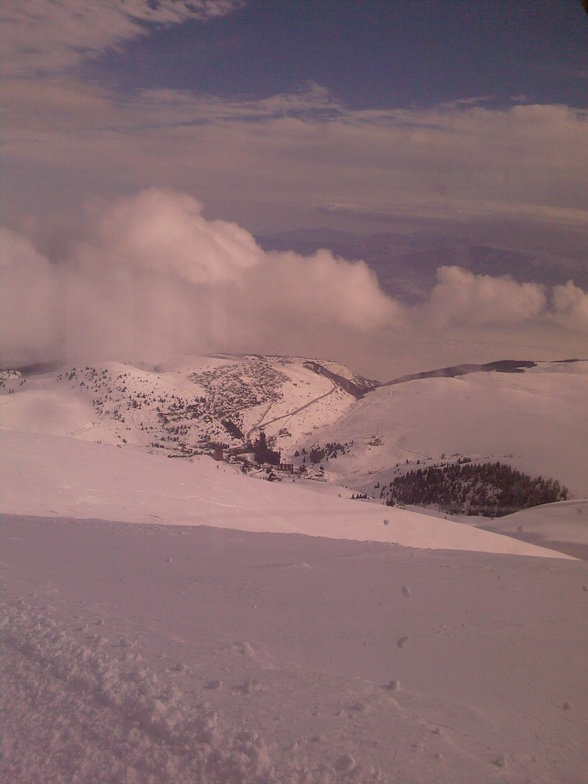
(512, 417)
(172, 620)
(308, 401)
(118, 403)
(517, 418)
(563, 525)
(151, 653)
(46, 475)
(565, 521)
(39, 410)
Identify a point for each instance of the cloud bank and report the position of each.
(41, 37)
(303, 159)
(152, 276)
(149, 276)
(460, 297)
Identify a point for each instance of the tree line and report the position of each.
(490, 489)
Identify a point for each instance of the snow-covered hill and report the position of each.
(563, 525)
(534, 420)
(251, 632)
(182, 408)
(54, 476)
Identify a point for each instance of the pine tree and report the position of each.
(262, 453)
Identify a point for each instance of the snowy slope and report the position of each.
(537, 421)
(248, 632)
(563, 525)
(150, 654)
(45, 475)
(180, 407)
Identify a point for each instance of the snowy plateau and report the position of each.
(170, 617)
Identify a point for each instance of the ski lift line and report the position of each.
(259, 422)
(292, 413)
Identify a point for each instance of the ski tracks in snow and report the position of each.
(290, 414)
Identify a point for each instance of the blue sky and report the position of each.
(369, 53)
(154, 140)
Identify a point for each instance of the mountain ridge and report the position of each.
(508, 410)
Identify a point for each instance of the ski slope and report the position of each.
(179, 654)
(170, 620)
(55, 476)
(536, 421)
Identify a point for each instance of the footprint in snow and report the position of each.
(344, 763)
(249, 686)
(244, 648)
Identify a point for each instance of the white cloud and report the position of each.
(48, 36)
(152, 276)
(318, 291)
(165, 232)
(570, 306)
(149, 275)
(460, 297)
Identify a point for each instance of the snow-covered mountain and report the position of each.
(337, 433)
(183, 409)
(252, 632)
(532, 418)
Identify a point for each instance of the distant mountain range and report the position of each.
(406, 264)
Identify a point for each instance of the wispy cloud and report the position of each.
(292, 156)
(476, 100)
(50, 36)
(305, 151)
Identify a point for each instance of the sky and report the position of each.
(145, 146)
